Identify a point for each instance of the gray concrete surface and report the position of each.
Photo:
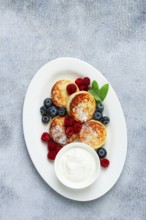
(110, 35)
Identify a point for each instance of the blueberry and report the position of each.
(43, 110)
(45, 119)
(48, 111)
(105, 120)
(48, 102)
(53, 111)
(99, 107)
(97, 116)
(62, 111)
(101, 152)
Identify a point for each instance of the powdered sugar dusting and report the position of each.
(90, 133)
(82, 114)
(59, 135)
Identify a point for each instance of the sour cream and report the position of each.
(77, 165)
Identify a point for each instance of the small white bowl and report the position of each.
(73, 163)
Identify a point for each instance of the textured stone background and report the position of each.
(110, 35)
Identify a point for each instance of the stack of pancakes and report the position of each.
(81, 106)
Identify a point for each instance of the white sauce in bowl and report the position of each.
(77, 166)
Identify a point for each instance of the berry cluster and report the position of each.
(104, 120)
(83, 83)
(53, 147)
(102, 154)
(71, 126)
(49, 110)
(99, 116)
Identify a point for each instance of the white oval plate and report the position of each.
(116, 144)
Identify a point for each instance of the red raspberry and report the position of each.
(51, 155)
(45, 137)
(52, 145)
(58, 148)
(86, 88)
(78, 81)
(86, 81)
(77, 127)
(68, 121)
(71, 88)
(104, 162)
(83, 87)
(69, 131)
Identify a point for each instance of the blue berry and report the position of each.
(48, 111)
(45, 119)
(101, 152)
(105, 120)
(99, 107)
(43, 110)
(97, 116)
(62, 111)
(48, 102)
(53, 111)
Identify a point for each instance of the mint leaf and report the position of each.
(102, 93)
(95, 86)
(94, 94)
(99, 94)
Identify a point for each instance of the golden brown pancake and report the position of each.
(59, 93)
(93, 133)
(57, 131)
(81, 106)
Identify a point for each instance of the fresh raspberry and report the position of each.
(78, 81)
(59, 147)
(45, 137)
(68, 121)
(86, 88)
(52, 145)
(51, 155)
(104, 162)
(86, 81)
(77, 127)
(71, 88)
(83, 87)
(69, 131)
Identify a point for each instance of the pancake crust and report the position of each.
(57, 131)
(93, 133)
(81, 106)
(59, 93)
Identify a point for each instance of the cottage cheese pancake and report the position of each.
(93, 133)
(59, 93)
(57, 131)
(81, 106)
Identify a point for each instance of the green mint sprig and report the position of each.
(99, 94)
